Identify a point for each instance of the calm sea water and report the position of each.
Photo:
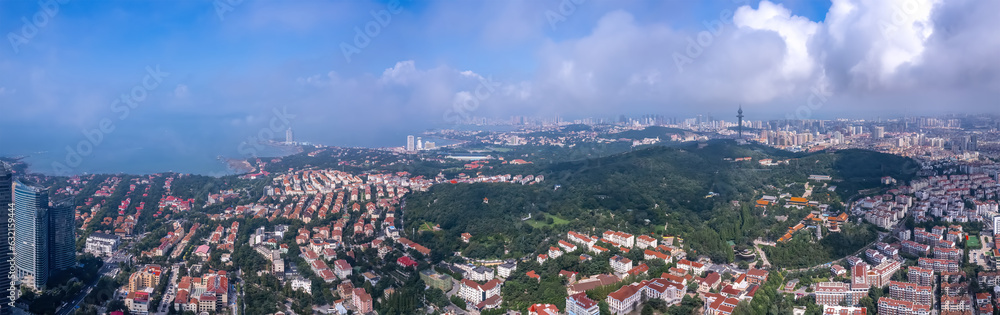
(188, 148)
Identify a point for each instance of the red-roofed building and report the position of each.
(720, 305)
(757, 276)
(844, 310)
(579, 304)
(623, 301)
(620, 264)
(649, 254)
(644, 241)
(691, 266)
(342, 269)
(888, 306)
(533, 275)
(542, 258)
(554, 252)
(638, 270)
(475, 293)
(670, 292)
(598, 250)
(406, 261)
(543, 309)
(711, 281)
(567, 246)
(362, 301)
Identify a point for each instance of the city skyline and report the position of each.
(800, 59)
(542, 157)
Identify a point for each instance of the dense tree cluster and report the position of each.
(681, 190)
(804, 251)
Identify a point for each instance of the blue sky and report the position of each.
(228, 71)
(109, 39)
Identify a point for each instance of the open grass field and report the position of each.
(973, 243)
(555, 221)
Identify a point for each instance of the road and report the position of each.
(110, 267)
(168, 297)
(235, 292)
(760, 252)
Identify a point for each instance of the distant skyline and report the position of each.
(351, 73)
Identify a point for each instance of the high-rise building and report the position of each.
(420, 144)
(878, 132)
(31, 228)
(857, 130)
(739, 114)
(147, 277)
(62, 236)
(288, 136)
(6, 203)
(409, 143)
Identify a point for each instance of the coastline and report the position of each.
(144, 161)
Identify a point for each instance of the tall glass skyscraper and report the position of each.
(6, 202)
(62, 237)
(31, 226)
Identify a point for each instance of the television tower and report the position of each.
(740, 116)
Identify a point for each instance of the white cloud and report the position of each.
(867, 52)
(400, 74)
(767, 58)
(794, 30)
(867, 42)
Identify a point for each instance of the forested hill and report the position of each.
(690, 187)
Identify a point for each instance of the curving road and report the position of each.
(760, 252)
(110, 267)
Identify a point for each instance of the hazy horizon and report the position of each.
(192, 77)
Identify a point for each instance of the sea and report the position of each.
(192, 149)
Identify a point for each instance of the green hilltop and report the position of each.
(686, 190)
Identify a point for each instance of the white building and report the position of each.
(480, 273)
(996, 224)
(620, 264)
(302, 284)
(474, 293)
(554, 252)
(101, 244)
(624, 300)
(504, 270)
(579, 304)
